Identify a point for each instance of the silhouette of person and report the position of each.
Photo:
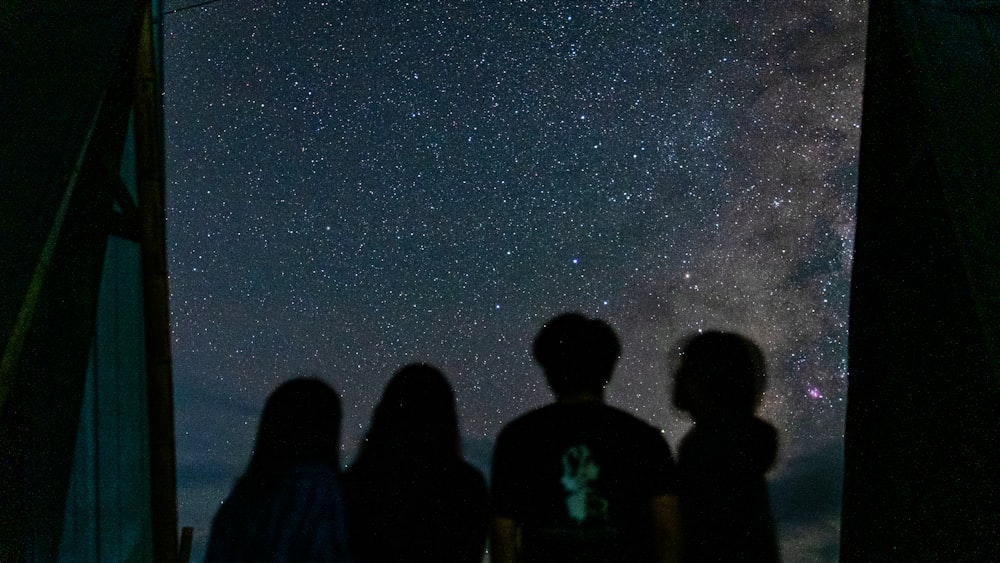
(578, 480)
(410, 494)
(288, 505)
(722, 460)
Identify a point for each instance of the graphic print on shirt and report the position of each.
(579, 471)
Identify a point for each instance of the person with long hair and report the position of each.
(411, 496)
(288, 506)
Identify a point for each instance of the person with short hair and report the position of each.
(723, 459)
(579, 480)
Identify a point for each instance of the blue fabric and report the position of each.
(297, 517)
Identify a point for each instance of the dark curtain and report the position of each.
(922, 430)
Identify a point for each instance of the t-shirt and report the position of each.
(725, 512)
(578, 479)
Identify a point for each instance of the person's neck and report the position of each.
(581, 398)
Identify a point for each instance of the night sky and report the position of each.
(356, 185)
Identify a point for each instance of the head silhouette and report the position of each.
(577, 353)
(415, 419)
(721, 375)
(300, 424)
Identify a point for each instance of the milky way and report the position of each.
(356, 185)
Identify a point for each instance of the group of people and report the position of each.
(576, 480)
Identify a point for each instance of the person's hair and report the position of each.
(722, 374)
(415, 421)
(300, 424)
(576, 353)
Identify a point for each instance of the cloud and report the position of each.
(806, 501)
(810, 485)
(479, 453)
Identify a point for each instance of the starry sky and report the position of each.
(355, 185)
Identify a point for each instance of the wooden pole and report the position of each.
(152, 212)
